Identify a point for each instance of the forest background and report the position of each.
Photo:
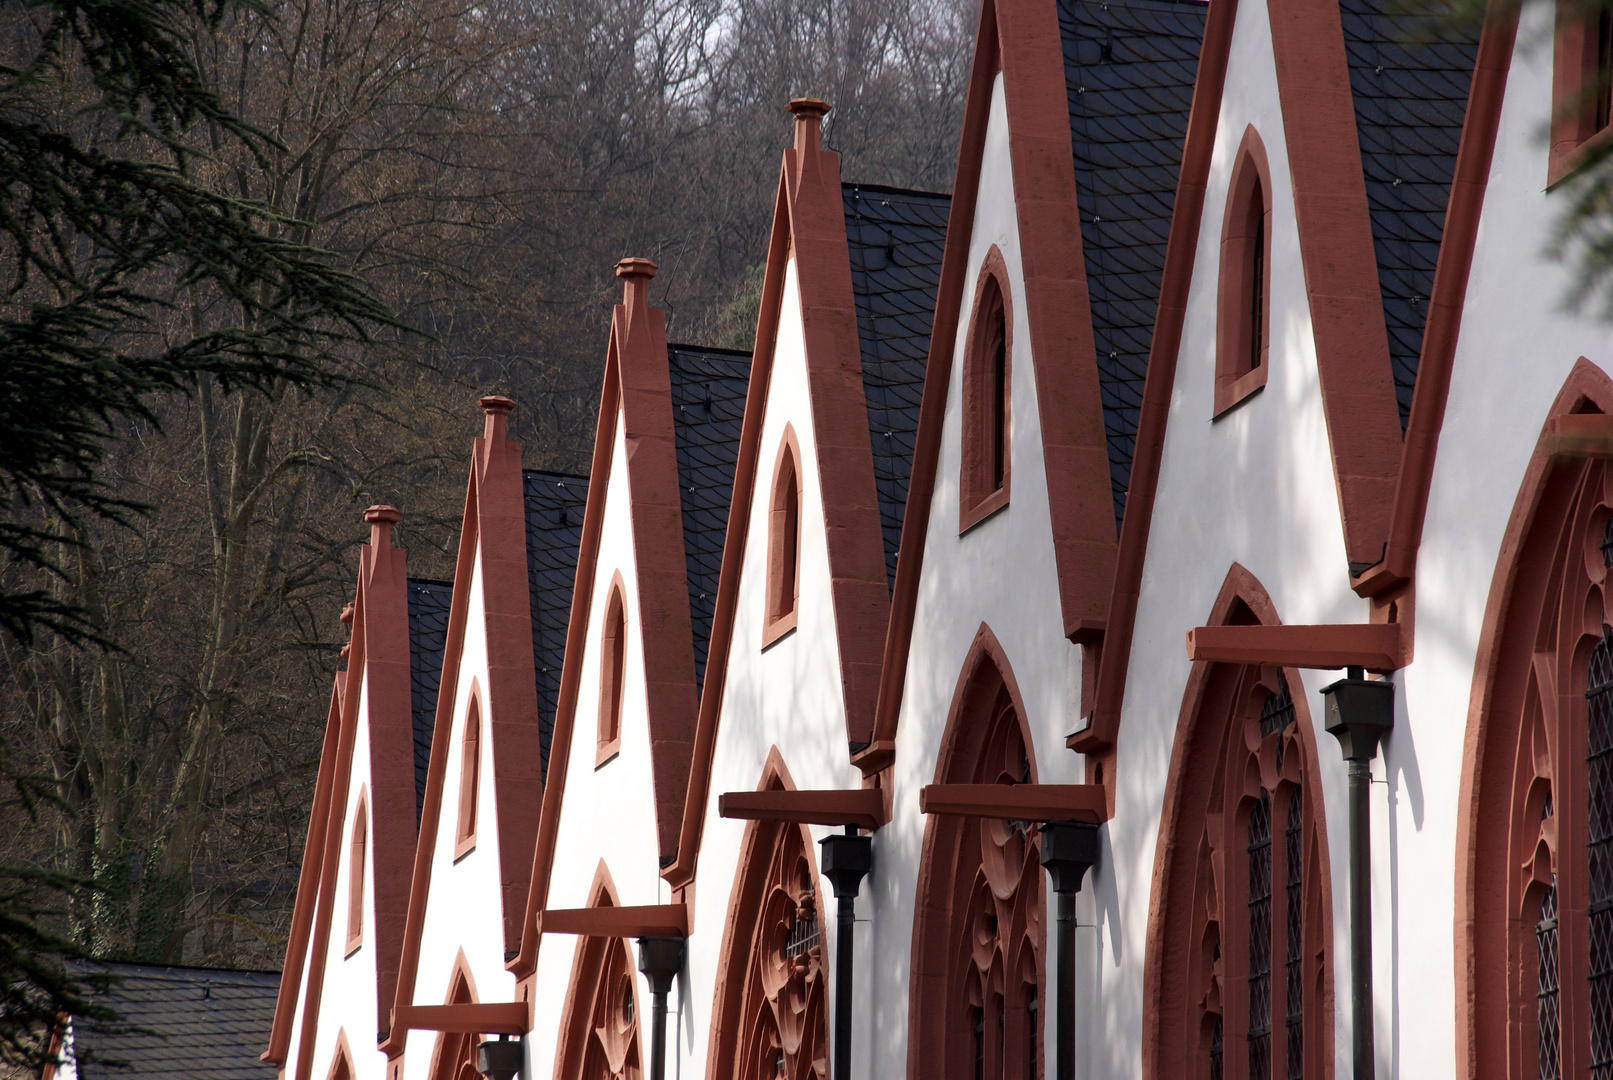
(480, 167)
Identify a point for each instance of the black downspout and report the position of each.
(846, 859)
(1360, 711)
(660, 959)
(1068, 849)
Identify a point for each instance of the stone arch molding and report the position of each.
(1242, 888)
(1533, 838)
(771, 999)
(978, 942)
(599, 1027)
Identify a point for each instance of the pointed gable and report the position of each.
(708, 411)
(896, 239)
(1129, 70)
(555, 504)
(1410, 102)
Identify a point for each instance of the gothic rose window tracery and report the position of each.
(784, 985)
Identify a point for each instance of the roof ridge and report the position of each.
(685, 347)
(891, 189)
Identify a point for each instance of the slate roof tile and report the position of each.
(429, 602)
(896, 239)
(177, 1023)
(1129, 67)
(555, 503)
(1410, 100)
(708, 410)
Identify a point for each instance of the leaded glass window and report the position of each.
(1260, 939)
(1294, 845)
(1599, 841)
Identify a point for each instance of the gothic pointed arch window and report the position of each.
(599, 1027)
(987, 464)
(470, 779)
(1239, 944)
(1539, 822)
(1243, 292)
(978, 976)
(357, 850)
(784, 541)
(769, 1021)
(454, 1056)
(612, 674)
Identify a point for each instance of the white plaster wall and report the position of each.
(609, 812)
(1001, 573)
(347, 1001)
(788, 696)
(1255, 487)
(463, 907)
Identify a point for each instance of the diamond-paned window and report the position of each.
(1259, 851)
(1599, 830)
(803, 932)
(1294, 845)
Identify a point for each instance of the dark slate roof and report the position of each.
(1129, 69)
(428, 633)
(708, 409)
(554, 513)
(1409, 103)
(175, 1022)
(896, 239)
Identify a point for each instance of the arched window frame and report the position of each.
(357, 862)
(341, 1065)
(1243, 298)
(988, 379)
(979, 943)
(470, 777)
(1582, 87)
(612, 672)
(1524, 961)
(783, 598)
(454, 1055)
(600, 1036)
(770, 1014)
(1225, 763)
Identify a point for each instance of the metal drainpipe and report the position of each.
(660, 959)
(1068, 849)
(846, 859)
(1359, 712)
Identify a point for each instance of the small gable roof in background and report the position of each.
(896, 239)
(708, 411)
(175, 1022)
(554, 514)
(1129, 70)
(1410, 102)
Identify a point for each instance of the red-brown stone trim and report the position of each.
(1178, 974)
(357, 849)
(612, 673)
(341, 1060)
(594, 960)
(745, 937)
(783, 542)
(1238, 373)
(450, 1050)
(470, 776)
(1447, 301)
(1021, 39)
(1575, 137)
(972, 862)
(980, 495)
(1529, 569)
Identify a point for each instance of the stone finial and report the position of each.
(495, 407)
(809, 114)
(347, 614)
(381, 519)
(636, 274)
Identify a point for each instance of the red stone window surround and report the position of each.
(470, 776)
(988, 378)
(599, 1036)
(1243, 292)
(357, 848)
(1581, 87)
(784, 541)
(612, 674)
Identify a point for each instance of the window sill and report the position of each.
(1564, 162)
(353, 946)
(464, 847)
(1230, 393)
(779, 628)
(607, 753)
(971, 516)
